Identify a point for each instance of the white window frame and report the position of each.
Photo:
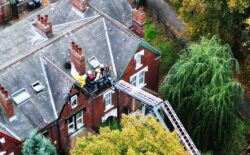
(109, 105)
(138, 60)
(71, 123)
(79, 118)
(74, 122)
(2, 140)
(72, 99)
(137, 77)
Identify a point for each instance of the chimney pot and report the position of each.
(6, 94)
(73, 45)
(80, 51)
(77, 58)
(45, 22)
(38, 17)
(42, 20)
(76, 48)
(1, 89)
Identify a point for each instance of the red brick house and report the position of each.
(38, 90)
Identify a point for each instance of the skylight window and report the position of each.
(94, 62)
(20, 96)
(37, 86)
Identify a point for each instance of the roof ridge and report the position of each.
(116, 23)
(7, 65)
(109, 47)
(122, 27)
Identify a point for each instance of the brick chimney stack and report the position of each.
(6, 102)
(80, 4)
(77, 57)
(139, 17)
(43, 25)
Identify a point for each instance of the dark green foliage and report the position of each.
(151, 32)
(36, 144)
(113, 124)
(201, 88)
(168, 55)
(238, 141)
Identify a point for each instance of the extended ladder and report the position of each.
(186, 140)
(156, 103)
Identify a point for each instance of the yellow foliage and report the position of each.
(248, 21)
(139, 135)
(81, 80)
(231, 3)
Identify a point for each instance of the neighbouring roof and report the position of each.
(32, 58)
(36, 112)
(119, 10)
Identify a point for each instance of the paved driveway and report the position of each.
(166, 12)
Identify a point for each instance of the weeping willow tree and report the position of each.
(36, 144)
(201, 88)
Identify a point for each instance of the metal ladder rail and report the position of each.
(155, 101)
(189, 144)
(137, 93)
(140, 92)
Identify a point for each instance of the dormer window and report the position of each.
(37, 86)
(138, 59)
(73, 101)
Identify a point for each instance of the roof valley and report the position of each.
(48, 85)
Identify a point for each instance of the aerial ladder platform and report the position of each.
(156, 105)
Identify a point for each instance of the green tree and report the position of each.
(36, 144)
(139, 135)
(201, 88)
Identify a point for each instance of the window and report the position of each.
(20, 96)
(141, 78)
(73, 101)
(37, 86)
(71, 125)
(79, 120)
(138, 79)
(138, 60)
(108, 100)
(94, 62)
(133, 80)
(75, 122)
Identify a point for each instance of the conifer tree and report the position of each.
(36, 144)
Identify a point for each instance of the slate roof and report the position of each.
(36, 112)
(58, 82)
(33, 57)
(119, 10)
